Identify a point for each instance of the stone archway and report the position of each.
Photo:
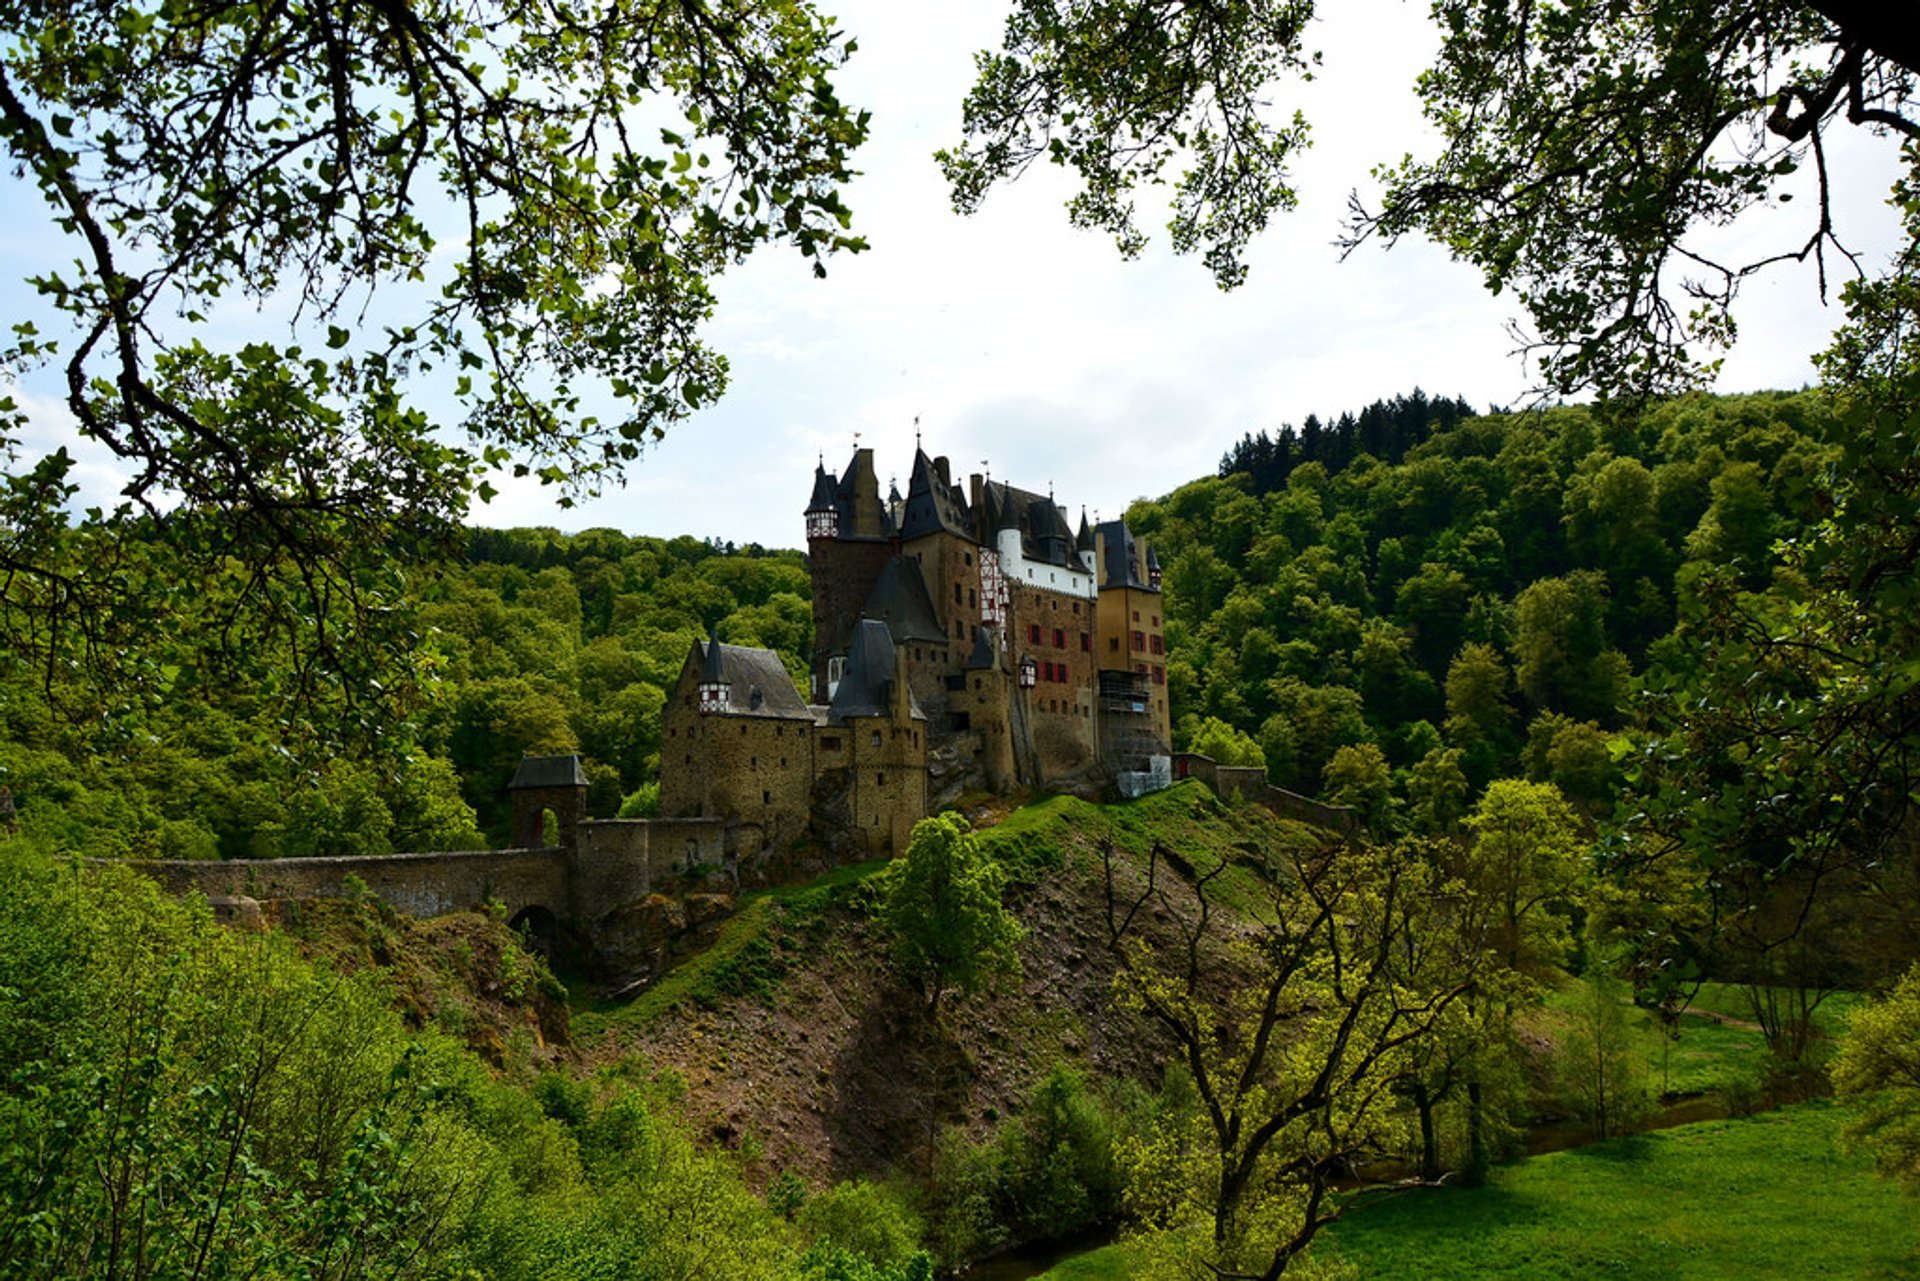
(540, 928)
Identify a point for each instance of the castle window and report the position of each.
(1076, 607)
(969, 559)
(1159, 675)
(766, 798)
(917, 655)
(1139, 642)
(1059, 638)
(783, 762)
(876, 738)
(1157, 644)
(973, 598)
(959, 630)
(1156, 620)
(743, 731)
(976, 684)
(1136, 615)
(956, 593)
(1033, 633)
(879, 779)
(673, 733)
(1113, 644)
(1086, 643)
(689, 758)
(828, 743)
(753, 762)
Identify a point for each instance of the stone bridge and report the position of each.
(595, 868)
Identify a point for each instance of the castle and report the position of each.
(963, 640)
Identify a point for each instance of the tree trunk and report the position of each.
(1478, 1159)
(1429, 1138)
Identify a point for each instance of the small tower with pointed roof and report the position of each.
(715, 690)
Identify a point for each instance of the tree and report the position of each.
(203, 158)
(1226, 745)
(1880, 1065)
(1437, 792)
(942, 906)
(1581, 144)
(1601, 1064)
(1527, 858)
(1293, 1031)
(1358, 777)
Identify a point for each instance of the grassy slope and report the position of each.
(1770, 1196)
(796, 1037)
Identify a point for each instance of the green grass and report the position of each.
(1186, 818)
(769, 930)
(1830, 1017)
(1108, 1263)
(1707, 1055)
(1769, 1196)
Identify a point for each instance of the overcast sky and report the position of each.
(1021, 342)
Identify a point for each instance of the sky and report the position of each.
(1023, 346)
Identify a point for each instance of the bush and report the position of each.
(864, 1219)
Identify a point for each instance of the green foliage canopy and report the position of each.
(942, 906)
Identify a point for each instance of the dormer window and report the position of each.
(713, 697)
(824, 523)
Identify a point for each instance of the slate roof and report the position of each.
(760, 684)
(866, 688)
(1122, 567)
(900, 600)
(851, 480)
(825, 491)
(934, 505)
(982, 656)
(548, 771)
(1044, 533)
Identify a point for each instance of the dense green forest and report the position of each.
(1493, 604)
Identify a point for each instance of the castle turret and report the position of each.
(714, 689)
(823, 512)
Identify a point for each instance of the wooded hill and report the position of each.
(1491, 604)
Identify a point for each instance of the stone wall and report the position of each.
(755, 770)
(419, 884)
(1250, 783)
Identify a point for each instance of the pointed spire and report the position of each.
(1083, 541)
(713, 687)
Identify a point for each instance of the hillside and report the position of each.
(798, 1039)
